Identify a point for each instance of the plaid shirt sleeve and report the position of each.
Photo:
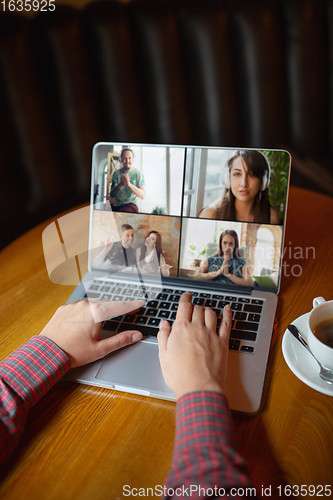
(25, 377)
(205, 458)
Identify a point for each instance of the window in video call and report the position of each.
(211, 214)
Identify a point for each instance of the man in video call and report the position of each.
(127, 185)
(119, 254)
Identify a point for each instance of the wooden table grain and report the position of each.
(83, 442)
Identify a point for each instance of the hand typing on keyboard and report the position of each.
(75, 329)
(192, 356)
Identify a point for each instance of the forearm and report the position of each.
(205, 276)
(205, 453)
(138, 191)
(25, 377)
(116, 190)
(245, 281)
(100, 257)
(165, 271)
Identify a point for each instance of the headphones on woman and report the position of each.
(265, 181)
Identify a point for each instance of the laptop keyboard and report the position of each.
(163, 304)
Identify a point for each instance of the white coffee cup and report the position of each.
(322, 311)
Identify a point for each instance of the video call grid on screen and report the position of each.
(186, 193)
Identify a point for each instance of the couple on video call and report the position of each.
(149, 256)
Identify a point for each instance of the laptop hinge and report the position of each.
(214, 287)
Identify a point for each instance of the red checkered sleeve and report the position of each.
(25, 377)
(206, 462)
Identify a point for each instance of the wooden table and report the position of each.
(83, 442)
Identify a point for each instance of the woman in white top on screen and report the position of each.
(150, 256)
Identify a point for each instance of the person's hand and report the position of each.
(166, 266)
(122, 183)
(125, 180)
(75, 329)
(227, 254)
(193, 357)
(108, 243)
(224, 269)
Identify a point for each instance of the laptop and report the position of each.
(166, 236)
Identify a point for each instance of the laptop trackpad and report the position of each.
(135, 367)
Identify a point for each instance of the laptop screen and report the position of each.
(212, 215)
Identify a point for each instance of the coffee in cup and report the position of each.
(324, 332)
(319, 332)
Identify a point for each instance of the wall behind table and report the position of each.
(217, 72)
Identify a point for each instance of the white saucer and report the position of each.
(300, 361)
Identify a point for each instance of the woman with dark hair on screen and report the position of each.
(225, 266)
(150, 256)
(245, 199)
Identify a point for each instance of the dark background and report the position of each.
(216, 72)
